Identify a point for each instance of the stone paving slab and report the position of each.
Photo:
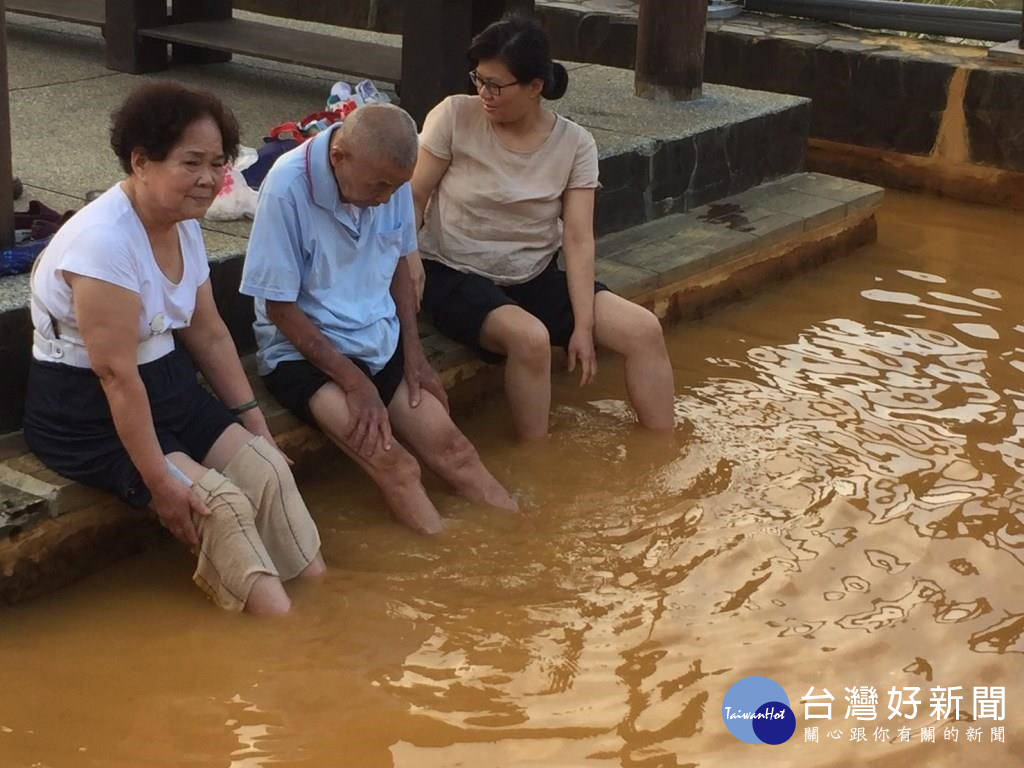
(1008, 53)
(677, 246)
(602, 97)
(38, 66)
(17, 509)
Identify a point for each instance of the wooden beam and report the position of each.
(184, 11)
(6, 174)
(670, 49)
(82, 11)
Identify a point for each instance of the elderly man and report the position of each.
(336, 311)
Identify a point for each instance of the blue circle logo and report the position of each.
(756, 710)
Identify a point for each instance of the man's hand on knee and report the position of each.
(420, 375)
(371, 426)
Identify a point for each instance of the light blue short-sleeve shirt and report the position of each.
(334, 260)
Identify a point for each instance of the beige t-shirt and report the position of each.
(497, 212)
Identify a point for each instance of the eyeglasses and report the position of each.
(491, 87)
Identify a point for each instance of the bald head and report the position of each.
(381, 131)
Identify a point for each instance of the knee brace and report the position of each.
(282, 519)
(231, 554)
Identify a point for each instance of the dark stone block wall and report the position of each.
(622, 200)
(688, 172)
(866, 90)
(994, 108)
(877, 100)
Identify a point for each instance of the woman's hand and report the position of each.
(175, 504)
(581, 347)
(254, 421)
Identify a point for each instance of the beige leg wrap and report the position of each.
(231, 555)
(282, 519)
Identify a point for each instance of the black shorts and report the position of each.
(69, 427)
(459, 302)
(294, 382)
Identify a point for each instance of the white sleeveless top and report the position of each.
(107, 241)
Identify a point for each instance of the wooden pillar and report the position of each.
(6, 174)
(434, 33)
(126, 51)
(670, 49)
(435, 36)
(1021, 41)
(199, 10)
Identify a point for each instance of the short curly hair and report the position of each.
(155, 116)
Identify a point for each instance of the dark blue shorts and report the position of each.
(69, 427)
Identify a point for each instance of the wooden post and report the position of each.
(435, 36)
(1021, 41)
(126, 51)
(6, 174)
(670, 49)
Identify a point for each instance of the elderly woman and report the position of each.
(122, 306)
(505, 184)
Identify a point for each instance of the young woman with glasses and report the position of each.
(502, 185)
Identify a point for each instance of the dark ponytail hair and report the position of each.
(520, 43)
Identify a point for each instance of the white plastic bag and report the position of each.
(236, 199)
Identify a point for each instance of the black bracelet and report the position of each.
(240, 409)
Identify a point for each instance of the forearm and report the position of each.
(419, 206)
(133, 421)
(404, 295)
(217, 359)
(311, 343)
(579, 270)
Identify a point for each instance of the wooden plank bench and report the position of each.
(430, 65)
(90, 12)
(269, 41)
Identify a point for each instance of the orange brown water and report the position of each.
(841, 507)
